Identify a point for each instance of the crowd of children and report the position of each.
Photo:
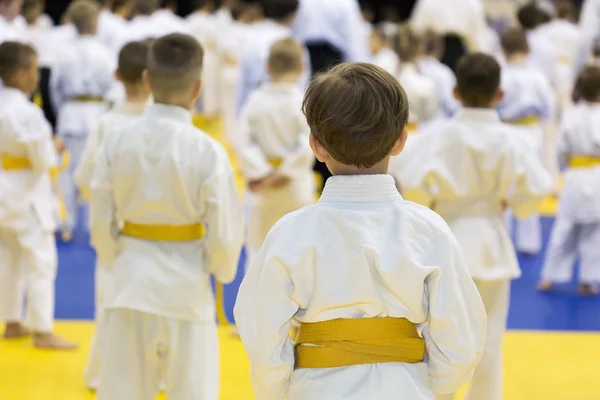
(393, 295)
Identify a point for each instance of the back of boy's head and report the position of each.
(32, 9)
(280, 10)
(285, 57)
(477, 80)
(357, 112)
(529, 16)
(203, 4)
(587, 85)
(145, 7)
(84, 14)
(174, 65)
(565, 9)
(514, 41)
(407, 43)
(15, 57)
(133, 60)
(247, 11)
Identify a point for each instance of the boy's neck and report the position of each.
(517, 58)
(136, 93)
(287, 78)
(337, 168)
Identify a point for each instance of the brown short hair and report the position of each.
(357, 111)
(407, 43)
(529, 16)
(133, 60)
(285, 56)
(145, 7)
(565, 9)
(174, 63)
(15, 57)
(513, 41)
(587, 85)
(31, 9)
(84, 15)
(477, 79)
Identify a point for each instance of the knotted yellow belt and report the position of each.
(583, 161)
(346, 342)
(17, 163)
(275, 162)
(164, 233)
(412, 127)
(525, 121)
(87, 99)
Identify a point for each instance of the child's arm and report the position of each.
(525, 181)
(36, 135)
(263, 315)
(563, 148)
(224, 220)
(412, 170)
(85, 170)
(253, 161)
(456, 333)
(547, 98)
(104, 226)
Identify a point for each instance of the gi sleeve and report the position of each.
(302, 158)
(224, 220)
(563, 145)
(85, 170)
(253, 161)
(456, 332)
(245, 85)
(263, 313)
(36, 136)
(526, 181)
(414, 172)
(104, 226)
(589, 25)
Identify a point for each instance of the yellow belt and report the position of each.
(412, 127)
(583, 161)
(164, 233)
(14, 163)
(345, 342)
(87, 99)
(529, 120)
(275, 162)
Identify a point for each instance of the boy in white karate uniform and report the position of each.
(165, 215)
(378, 283)
(272, 146)
(576, 232)
(468, 170)
(81, 78)
(381, 54)
(529, 105)
(420, 89)
(9, 10)
(27, 215)
(132, 63)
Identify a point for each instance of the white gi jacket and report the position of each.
(160, 169)
(444, 80)
(120, 115)
(272, 126)
(421, 93)
(27, 198)
(466, 168)
(387, 59)
(580, 135)
(360, 252)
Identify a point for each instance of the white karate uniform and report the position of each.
(464, 18)
(120, 116)
(203, 27)
(272, 126)
(589, 25)
(387, 59)
(576, 232)
(502, 14)
(27, 214)
(360, 252)
(231, 48)
(543, 55)
(528, 93)
(444, 80)
(564, 37)
(254, 60)
(466, 168)
(111, 29)
(337, 22)
(160, 23)
(160, 169)
(9, 31)
(85, 68)
(421, 93)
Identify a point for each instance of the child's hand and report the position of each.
(256, 185)
(59, 144)
(278, 181)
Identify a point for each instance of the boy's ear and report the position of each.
(197, 90)
(146, 79)
(498, 97)
(456, 94)
(400, 142)
(320, 153)
(117, 75)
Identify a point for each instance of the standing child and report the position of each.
(377, 282)
(576, 232)
(132, 63)
(172, 190)
(81, 78)
(273, 146)
(468, 170)
(27, 219)
(529, 105)
(381, 54)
